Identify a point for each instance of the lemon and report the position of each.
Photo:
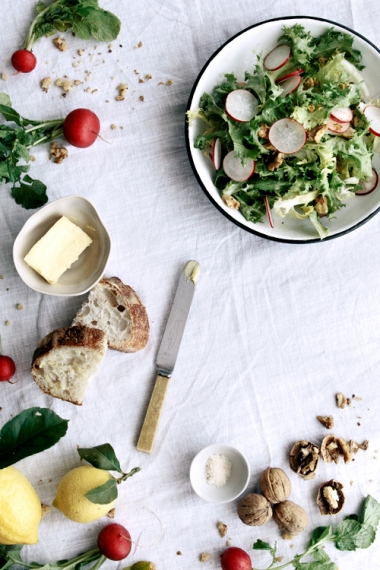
(20, 508)
(73, 486)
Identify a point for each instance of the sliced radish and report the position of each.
(234, 169)
(241, 105)
(342, 115)
(337, 128)
(269, 214)
(216, 153)
(288, 75)
(290, 85)
(287, 135)
(373, 115)
(368, 185)
(277, 57)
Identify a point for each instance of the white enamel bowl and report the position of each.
(238, 55)
(90, 266)
(236, 484)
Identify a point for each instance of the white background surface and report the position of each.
(274, 332)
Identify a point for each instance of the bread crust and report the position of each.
(140, 328)
(71, 337)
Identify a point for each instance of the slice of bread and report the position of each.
(116, 309)
(65, 361)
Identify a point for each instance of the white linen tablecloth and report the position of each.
(275, 330)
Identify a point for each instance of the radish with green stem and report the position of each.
(114, 542)
(80, 128)
(86, 19)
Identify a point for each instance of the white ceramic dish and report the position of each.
(90, 266)
(236, 484)
(238, 55)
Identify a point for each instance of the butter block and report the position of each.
(57, 250)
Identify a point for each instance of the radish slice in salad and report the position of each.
(241, 105)
(287, 135)
(342, 115)
(269, 213)
(368, 185)
(289, 75)
(216, 153)
(290, 85)
(277, 57)
(373, 115)
(337, 128)
(235, 169)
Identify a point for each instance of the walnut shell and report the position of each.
(275, 485)
(290, 518)
(333, 447)
(330, 498)
(303, 458)
(254, 510)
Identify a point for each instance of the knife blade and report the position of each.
(168, 352)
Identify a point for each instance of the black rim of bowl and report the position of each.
(218, 206)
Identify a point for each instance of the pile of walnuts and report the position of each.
(257, 509)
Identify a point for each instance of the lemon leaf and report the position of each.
(101, 456)
(103, 494)
(31, 431)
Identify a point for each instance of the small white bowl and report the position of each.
(236, 484)
(87, 270)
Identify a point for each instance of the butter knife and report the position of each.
(168, 352)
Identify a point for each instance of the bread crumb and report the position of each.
(222, 528)
(136, 72)
(341, 400)
(8, 323)
(169, 82)
(76, 63)
(148, 76)
(113, 126)
(122, 88)
(142, 98)
(179, 553)
(81, 51)
(141, 80)
(60, 43)
(19, 307)
(204, 557)
(94, 90)
(77, 82)
(88, 75)
(45, 84)
(139, 45)
(64, 83)
(4, 76)
(111, 514)
(32, 158)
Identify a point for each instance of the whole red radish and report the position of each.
(24, 60)
(235, 558)
(81, 128)
(7, 367)
(114, 542)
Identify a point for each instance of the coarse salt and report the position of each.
(218, 470)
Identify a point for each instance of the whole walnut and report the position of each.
(291, 519)
(254, 510)
(275, 485)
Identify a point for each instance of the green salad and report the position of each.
(295, 137)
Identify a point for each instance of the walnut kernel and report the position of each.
(303, 458)
(330, 498)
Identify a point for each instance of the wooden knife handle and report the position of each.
(153, 413)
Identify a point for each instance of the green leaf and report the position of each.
(82, 29)
(104, 494)
(21, 151)
(261, 545)
(101, 456)
(104, 25)
(40, 6)
(371, 512)
(31, 431)
(30, 193)
(4, 171)
(321, 533)
(5, 100)
(10, 114)
(143, 565)
(351, 534)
